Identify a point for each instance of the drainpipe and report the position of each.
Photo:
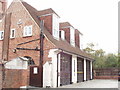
(41, 50)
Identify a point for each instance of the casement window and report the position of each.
(1, 35)
(55, 30)
(72, 36)
(12, 33)
(62, 35)
(27, 31)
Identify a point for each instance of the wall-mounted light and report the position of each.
(19, 22)
(14, 50)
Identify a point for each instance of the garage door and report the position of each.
(80, 70)
(88, 69)
(65, 69)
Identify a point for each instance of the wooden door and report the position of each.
(80, 70)
(88, 69)
(65, 69)
(35, 76)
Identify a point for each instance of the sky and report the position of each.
(97, 20)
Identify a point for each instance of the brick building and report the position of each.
(38, 50)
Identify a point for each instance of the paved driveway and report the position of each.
(97, 83)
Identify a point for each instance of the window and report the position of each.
(72, 36)
(1, 35)
(12, 34)
(62, 35)
(35, 70)
(27, 31)
(55, 30)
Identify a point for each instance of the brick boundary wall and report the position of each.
(1, 75)
(15, 78)
(106, 73)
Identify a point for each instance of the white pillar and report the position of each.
(74, 68)
(91, 70)
(58, 70)
(84, 69)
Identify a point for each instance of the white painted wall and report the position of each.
(72, 36)
(55, 26)
(51, 79)
(17, 63)
(74, 68)
(47, 74)
(91, 70)
(58, 70)
(84, 69)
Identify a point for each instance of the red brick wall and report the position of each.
(47, 22)
(3, 6)
(77, 39)
(21, 76)
(1, 76)
(67, 33)
(15, 78)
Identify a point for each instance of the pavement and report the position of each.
(96, 83)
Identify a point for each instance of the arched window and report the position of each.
(30, 60)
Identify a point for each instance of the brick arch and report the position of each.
(30, 60)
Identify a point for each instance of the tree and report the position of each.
(101, 59)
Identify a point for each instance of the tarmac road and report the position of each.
(96, 83)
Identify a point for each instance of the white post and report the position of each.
(58, 70)
(74, 68)
(91, 70)
(84, 69)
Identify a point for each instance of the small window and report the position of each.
(12, 35)
(27, 31)
(35, 70)
(1, 35)
(62, 35)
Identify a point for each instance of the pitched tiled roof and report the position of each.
(64, 24)
(47, 11)
(61, 44)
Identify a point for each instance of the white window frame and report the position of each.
(3, 35)
(12, 33)
(72, 36)
(26, 31)
(55, 26)
(62, 35)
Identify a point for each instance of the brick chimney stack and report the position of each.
(3, 6)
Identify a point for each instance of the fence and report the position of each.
(106, 73)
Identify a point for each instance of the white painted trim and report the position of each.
(74, 69)
(51, 79)
(11, 33)
(85, 74)
(45, 15)
(1, 34)
(58, 70)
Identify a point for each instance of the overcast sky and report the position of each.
(96, 19)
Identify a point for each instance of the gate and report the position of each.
(80, 70)
(35, 76)
(65, 69)
(88, 69)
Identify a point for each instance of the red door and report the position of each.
(35, 76)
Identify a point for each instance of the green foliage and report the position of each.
(102, 60)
